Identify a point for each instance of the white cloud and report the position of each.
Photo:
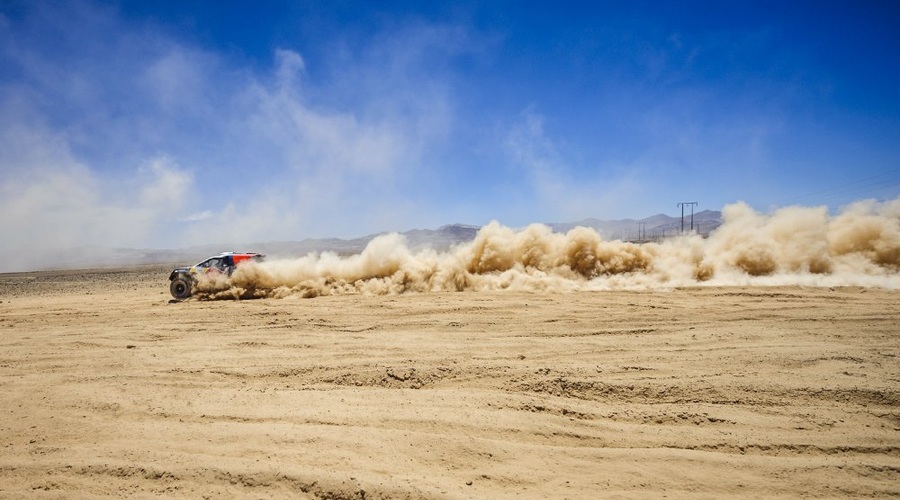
(329, 167)
(289, 66)
(558, 189)
(51, 201)
(176, 78)
(163, 186)
(320, 140)
(98, 129)
(197, 217)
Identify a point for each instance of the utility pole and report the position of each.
(642, 231)
(692, 204)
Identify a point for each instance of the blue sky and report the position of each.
(169, 124)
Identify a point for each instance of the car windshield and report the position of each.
(214, 262)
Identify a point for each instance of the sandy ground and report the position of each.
(110, 389)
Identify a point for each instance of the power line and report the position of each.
(880, 182)
(692, 204)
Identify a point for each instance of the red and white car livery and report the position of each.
(183, 279)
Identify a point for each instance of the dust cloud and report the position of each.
(795, 245)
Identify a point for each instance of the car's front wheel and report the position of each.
(180, 288)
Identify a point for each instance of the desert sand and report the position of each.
(112, 389)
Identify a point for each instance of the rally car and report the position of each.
(183, 279)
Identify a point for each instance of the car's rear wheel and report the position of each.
(180, 288)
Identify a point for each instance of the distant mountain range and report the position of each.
(648, 229)
(654, 227)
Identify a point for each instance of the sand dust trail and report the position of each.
(792, 246)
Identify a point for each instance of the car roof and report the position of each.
(232, 254)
